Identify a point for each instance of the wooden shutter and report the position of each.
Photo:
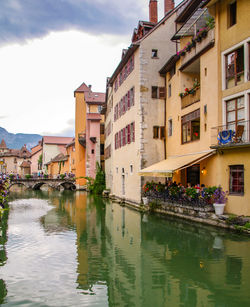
(162, 92)
(128, 100)
(128, 134)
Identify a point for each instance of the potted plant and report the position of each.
(219, 200)
(148, 186)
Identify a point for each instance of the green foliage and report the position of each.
(96, 186)
(191, 192)
(11, 176)
(210, 22)
(62, 176)
(28, 176)
(40, 159)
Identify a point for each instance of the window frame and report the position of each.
(186, 121)
(238, 167)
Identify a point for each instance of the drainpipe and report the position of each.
(165, 117)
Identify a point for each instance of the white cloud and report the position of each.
(38, 79)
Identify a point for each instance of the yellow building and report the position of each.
(63, 163)
(89, 132)
(207, 104)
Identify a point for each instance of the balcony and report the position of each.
(199, 45)
(233, 135)
(190, 99)
(82, 139)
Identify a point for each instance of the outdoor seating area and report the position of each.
(194, 196)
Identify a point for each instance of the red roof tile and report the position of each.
(59, 140)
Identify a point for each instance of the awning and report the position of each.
(167, 167)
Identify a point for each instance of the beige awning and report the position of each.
(167, 167)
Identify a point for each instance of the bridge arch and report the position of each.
(18, 184)
(67, 185)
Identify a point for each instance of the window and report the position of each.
(158, 92)
(99, 109)
(235, 67)
(170, 127)
(236, 180)
(169, 90)
(155, 132)
(154, 53)
(235, 114)
(131, 169)
(102, 149)
(172, 72)
(92, 151)
(154, 91)
(190, 127)
(102, 128)
(15, 160)
(162, 129)
(232, 14)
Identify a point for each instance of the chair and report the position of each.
(239, 134)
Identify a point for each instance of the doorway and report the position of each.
(193, 174)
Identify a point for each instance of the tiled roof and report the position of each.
(82, 88)
(60, 157)
(23, 153)
(94, 98)
(59, 140)
(90, 97)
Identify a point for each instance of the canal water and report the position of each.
(70, 249)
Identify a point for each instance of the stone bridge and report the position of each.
(35, 184)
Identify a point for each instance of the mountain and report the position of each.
(16, 141)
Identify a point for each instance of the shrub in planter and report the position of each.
(28, 176)
(191, 193)
(62, 176)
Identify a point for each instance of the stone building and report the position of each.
(135, 114)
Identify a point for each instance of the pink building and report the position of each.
(36, 153)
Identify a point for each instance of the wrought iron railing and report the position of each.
(231, 134)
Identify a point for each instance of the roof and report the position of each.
(94, 116)
(90, 97)
(59, 158)
(57, 140)
(3, 144)
(136, 44)
(170, 63)
(189, 9)
(71, 143)
(95, 98)
(19, 153)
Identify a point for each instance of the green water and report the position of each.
(68, 249)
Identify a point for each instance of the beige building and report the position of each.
(135, 133)
(53, 146)
(14, 161)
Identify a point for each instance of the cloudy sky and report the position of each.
(49, 47)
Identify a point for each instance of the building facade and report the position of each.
(207, 101)
(14, 161)
(135, 132)
(89, 132)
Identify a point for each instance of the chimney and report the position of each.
(153, 14)
(90, 86)
(168, 6)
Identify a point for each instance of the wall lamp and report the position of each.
(204, 171)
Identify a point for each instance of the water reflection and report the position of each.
(122, 258)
